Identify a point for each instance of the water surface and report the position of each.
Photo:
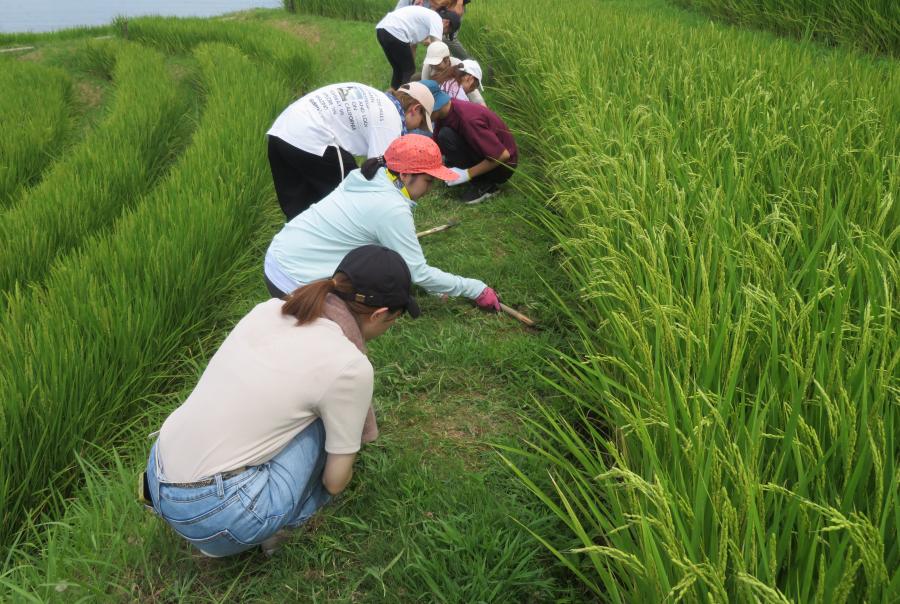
(49, 15)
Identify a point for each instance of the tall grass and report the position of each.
(871, 25)
(72, 33)
(109, 170)
(726, 205)
(88, 347)
(361, 10)
(35, 107)
(290, 55)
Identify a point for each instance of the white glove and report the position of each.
(463, 177)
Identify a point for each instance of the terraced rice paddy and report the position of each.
(710, 414)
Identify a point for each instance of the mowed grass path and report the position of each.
(431, 513)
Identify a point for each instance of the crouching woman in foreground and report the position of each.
(272, 428)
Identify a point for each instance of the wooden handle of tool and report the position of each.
(437, 229)
(512, 312)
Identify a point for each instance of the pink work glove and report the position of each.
(488, 300)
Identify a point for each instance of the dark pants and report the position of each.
(273, 289)
(459, 154)
(301, 178)
(399, 55)
(456, 48)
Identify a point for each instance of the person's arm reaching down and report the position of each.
(397, 231)
(338, 471)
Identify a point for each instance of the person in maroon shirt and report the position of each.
(475, 143)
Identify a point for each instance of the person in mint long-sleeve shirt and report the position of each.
(372, 205)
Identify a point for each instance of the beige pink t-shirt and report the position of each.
(267, 382)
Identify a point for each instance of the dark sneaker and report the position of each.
(274, 543)
(478, 193)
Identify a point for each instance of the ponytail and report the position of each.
(307, 303)
(370, 167)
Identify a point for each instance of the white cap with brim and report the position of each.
(471, 67)
(423, 96)
(437, 52)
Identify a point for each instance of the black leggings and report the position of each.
(399, 55)
(301, 178)
(459, 154)
(273, 289)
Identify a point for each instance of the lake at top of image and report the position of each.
(50, 15)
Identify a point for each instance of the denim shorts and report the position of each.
(234, 514)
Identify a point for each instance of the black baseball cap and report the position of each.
(380, 277)
(453, 18)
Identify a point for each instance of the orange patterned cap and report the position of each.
(416, 154)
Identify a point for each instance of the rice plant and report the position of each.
(289, 55)
(871, 25)
(726, 205)
(89, 346)
(361, 10)
(100, 177)
(35, 108)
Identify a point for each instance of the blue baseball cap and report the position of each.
(441, 98)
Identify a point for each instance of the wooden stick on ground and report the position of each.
(438, 229)
(512, 312)
(17, 48)
(508, 310)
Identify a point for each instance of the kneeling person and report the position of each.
(374, 205)
(475, 142)
(272, 428)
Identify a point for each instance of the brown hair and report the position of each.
(406, 101)
(369, 168)
(307, 303)
(444, 74)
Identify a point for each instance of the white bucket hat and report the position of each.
(471, 67)
(437, 52)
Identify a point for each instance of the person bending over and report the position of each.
(475, 142)
(451, 73)
(313, 142)
(373, 205)
(270, 432)
(463, 81)
(400, 30)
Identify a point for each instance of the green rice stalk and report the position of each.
(870, 25)
(361, 10)
(726, 206)
(103, 175)
(35, 118)
(173, 35)
(88, 347)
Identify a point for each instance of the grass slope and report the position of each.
(429, 516)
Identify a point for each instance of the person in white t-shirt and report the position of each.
(313, 142)
(437, 60)
(271, 430)
(405, 27)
